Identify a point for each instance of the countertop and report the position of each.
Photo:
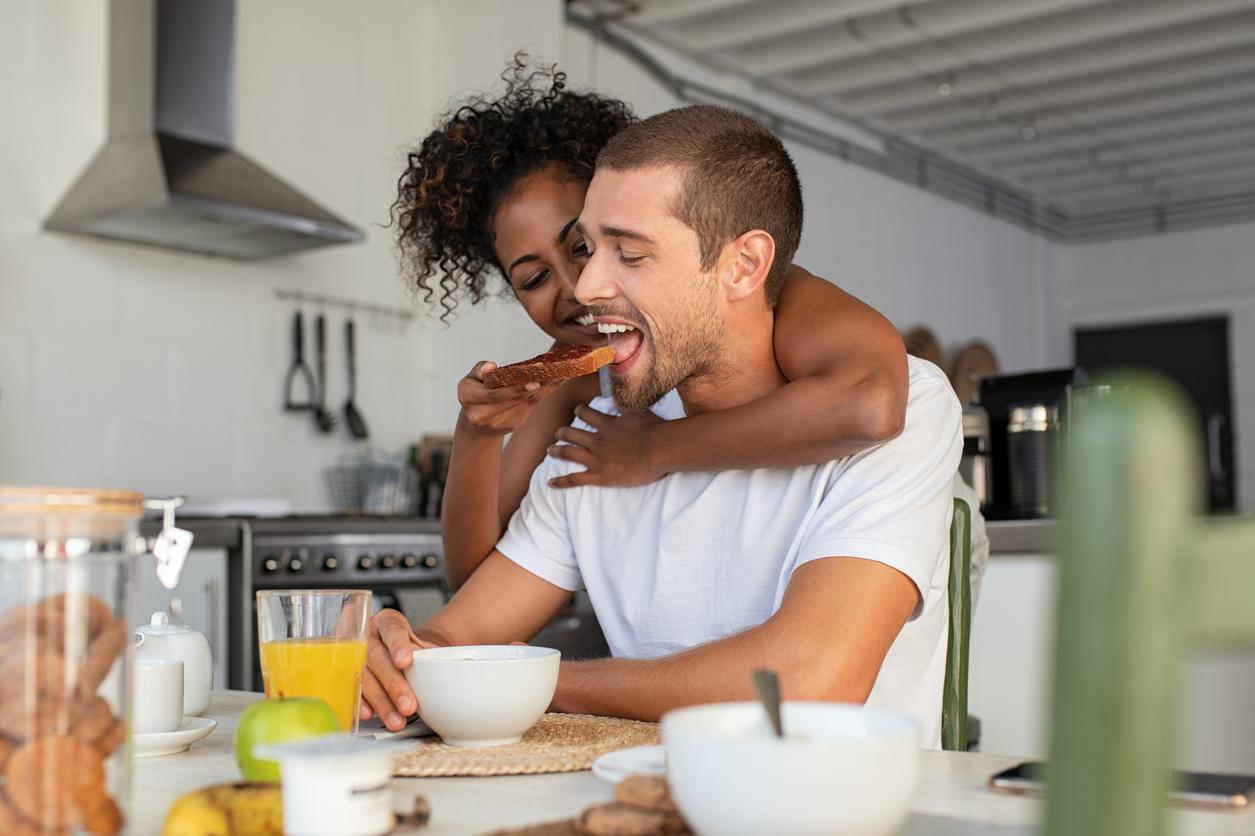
(952, 800)
(1005, 536)
(1040, 536)
(229, 532)
(1021, 536)
(207, 532)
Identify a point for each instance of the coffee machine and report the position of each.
(1027, 418)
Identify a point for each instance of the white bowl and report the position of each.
(841, 769)
(483, 695)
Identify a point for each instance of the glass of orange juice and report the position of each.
(313, 644)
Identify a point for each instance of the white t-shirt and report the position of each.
(696, 557)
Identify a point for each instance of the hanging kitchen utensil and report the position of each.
(352, 417)
(322, 416)
(298, 369)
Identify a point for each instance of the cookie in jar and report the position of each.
(67, 564)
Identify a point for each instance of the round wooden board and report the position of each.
(974, 361)
(921, 342)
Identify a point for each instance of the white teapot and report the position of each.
(159, 639)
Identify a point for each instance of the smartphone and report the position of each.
(1198, 789)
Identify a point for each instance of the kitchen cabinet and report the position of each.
(1012, 654)
(202, 590)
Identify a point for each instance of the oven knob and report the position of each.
(330, 563)
(270, 564)
(431, 561)
(388, 561)
(365, 561)
(409, 561)
(295, 564)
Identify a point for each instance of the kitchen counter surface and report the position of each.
(1039, 536)
(229, 532)
(207, 532)
(1021, 536)
(952, 799)
(1005, 536)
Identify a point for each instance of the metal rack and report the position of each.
(404, 315)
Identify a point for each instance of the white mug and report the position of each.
(157, 696)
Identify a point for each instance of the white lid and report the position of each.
(335, 745)
(159, 625)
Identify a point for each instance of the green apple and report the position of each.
(278, 721)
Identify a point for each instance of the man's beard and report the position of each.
(690, 350)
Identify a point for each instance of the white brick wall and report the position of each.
(133, 367)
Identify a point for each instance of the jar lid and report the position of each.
(35, 501)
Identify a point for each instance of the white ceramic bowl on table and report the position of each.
(483, 695)
(841, 769)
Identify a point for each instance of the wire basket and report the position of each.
(377, 486)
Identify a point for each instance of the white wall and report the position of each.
(141, 368)
(1181, 275)
(134, 367)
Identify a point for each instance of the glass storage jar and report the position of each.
(67, 581)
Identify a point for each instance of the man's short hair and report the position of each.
(738, 177)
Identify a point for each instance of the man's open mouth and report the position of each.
(625, 338)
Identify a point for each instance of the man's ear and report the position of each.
(745, 263)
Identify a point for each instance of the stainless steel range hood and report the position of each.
(168, 174)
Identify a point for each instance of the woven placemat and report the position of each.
(557, 743)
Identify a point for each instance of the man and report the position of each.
(835, 574)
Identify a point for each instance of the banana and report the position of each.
(227, 810)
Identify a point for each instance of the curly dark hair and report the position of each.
(452, 183)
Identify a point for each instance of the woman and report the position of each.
(496, 190)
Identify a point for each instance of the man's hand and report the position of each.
(497, 411)
(390, 645)
(617, 454)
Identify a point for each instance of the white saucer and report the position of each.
(170, 743)
(617, 765)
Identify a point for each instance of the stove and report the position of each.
(352, 552)
(401, 560)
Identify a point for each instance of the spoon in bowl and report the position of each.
(767, 684)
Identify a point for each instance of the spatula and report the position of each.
(298, 372)
(322, 416)
(352, 417)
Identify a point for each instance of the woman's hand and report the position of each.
(497, 411)
(617, 454)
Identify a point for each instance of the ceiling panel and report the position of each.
(1087, 107)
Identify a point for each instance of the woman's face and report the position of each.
(536, 244)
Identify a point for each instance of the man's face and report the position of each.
(644, 276)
